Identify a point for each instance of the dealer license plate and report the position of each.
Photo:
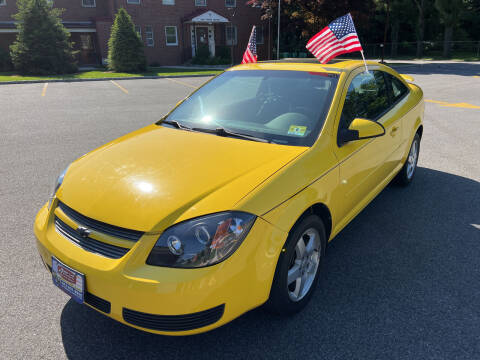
(69, 280)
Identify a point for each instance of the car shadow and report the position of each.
(401, 281)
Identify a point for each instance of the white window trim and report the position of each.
(176, 36)
(231, 6)
(197, 4)
(89, 6)
(235, 39)
(171, 2)
(147, 38)
(134, 2)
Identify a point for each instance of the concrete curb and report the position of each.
(99, 79)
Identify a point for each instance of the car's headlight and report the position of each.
(57, 185)
(202, 241)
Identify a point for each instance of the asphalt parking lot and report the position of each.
(402, 281)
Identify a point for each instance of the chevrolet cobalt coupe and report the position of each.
(229, 201)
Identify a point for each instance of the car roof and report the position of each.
(310, 65)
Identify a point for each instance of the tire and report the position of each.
(286, 299)
(406, 174)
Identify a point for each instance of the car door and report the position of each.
(365, 164)
(399, 96)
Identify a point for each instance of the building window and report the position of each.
(171, 35)
(200, 2)
(133, 2)
(3, 2)
(168, 2)
(138, 29)
(260, 38)
(231, 35)
(88, 3)
(149, 35)
(230, 3)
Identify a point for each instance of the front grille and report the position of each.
(174, 322)
(97, 302)
(99, 226)
(89, 244)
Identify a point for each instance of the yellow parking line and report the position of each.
(435, 101)
(183, 83)
(476, 76)
(44, 90)
(119, 86)
(459, 105)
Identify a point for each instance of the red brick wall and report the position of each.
(154, 13)
(8, 10)
(74, 11)
(103, 27)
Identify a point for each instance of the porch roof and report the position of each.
(208, 16)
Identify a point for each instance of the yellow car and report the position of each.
(229, 201)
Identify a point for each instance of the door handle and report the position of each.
(394, 130)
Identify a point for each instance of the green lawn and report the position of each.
(94, 74)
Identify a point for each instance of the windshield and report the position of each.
(284, 107)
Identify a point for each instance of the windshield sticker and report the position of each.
(297, 130)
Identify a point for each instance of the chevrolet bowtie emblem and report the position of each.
(83, 231)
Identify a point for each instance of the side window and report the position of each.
(367, 97)
(398, 89)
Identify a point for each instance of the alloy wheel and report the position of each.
(304, 265)
(412, 159)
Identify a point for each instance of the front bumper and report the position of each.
(148, 297)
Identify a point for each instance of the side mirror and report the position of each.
(361, 129)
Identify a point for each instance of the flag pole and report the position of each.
(278, 31)
(366, 67)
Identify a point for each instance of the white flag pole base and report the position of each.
(366, 67)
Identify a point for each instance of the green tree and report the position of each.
(401, 14)
(420, 26)
(470, 23)
(450, 11)
(301, 19)
(43, 44)
(125, 47)
(5, 61)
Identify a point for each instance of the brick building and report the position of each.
(172, 30)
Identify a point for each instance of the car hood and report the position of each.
(157, 176)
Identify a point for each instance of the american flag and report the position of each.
(339, 37)
(250, 55)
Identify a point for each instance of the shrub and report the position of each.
(222, 61)
(203, 52)
(199, 61)
(224, 53)
(5, 61)
(203, 56)
(43, 44)
(125, 47)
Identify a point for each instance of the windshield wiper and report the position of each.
(175, 124)
(220, 131)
